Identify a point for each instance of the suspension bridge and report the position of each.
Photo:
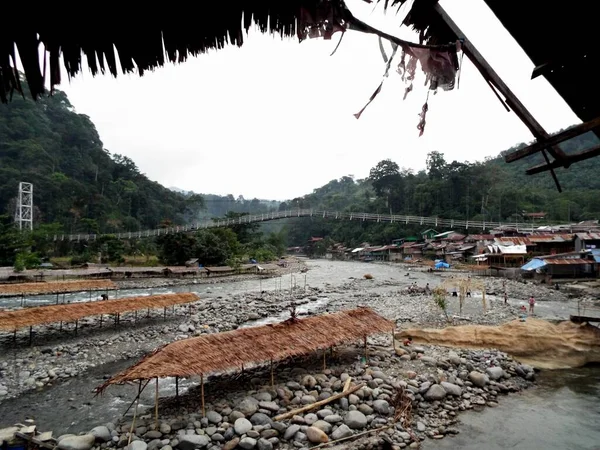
(453, 224)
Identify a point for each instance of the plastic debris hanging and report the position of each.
(440, 65)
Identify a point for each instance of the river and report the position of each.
(562, 412)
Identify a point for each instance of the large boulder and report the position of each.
(193, 441)
(101, 433)
(451, 388)
(478, 379)
(84, 442)
(355, 420)
(435, 392)
(242, 426)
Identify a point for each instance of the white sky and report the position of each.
(274, 118)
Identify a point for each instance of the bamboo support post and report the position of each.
(324, 359)
(483, 300)
(202, 394)
(344, 393)
(394, 338)
(100, 320)
(30, 335)
(156, 405)
(366, 351)
(272, 376)
(137, 402)
(177, 388)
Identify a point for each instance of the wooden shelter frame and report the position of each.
(465, 286)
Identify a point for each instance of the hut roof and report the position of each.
(11, 320)
(54, 287)
(145, 40)
(230, 350)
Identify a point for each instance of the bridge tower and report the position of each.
(24, 212)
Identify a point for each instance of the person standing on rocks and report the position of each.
(531, 304)
(505, 298)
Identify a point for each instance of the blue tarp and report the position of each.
(596, 254)
(442, 265)
(534, 264)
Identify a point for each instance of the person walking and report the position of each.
(531, 304)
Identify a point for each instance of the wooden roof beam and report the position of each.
(511, 99)
(582, 156)
(554, 140)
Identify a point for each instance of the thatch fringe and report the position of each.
(231, 350)
(55, 287)
(145, 40)
(12, 320)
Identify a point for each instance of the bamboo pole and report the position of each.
(366, 351)
(135, 413)
(272, 376)
(156, 404)
(202, 394)
(324, 359)
(344, 393)
(177, 388)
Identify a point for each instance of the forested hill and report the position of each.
(488, 190)
(77, 183)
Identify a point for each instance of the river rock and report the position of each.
(264, 444)
(326, 427)
(192, 441)
(435, 392)
(269, 406)
(316, 435)
(260, 419)
(494, 373)
(214, 417)
(232, 444)
(85, 442)
(248, 406)
(242, 426)
(137, 445)
(247, 443)
(340, 432)
(291, 431)
(309, 381)
(382, 407)
(451, 388)
(478, 379)
(101, 433)
(355, 420)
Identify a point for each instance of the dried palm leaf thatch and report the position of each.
(12, 320)
(55, 287)
(231, 350)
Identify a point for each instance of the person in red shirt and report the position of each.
(531, 304)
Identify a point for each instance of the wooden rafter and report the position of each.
(511, 99)
(553, 140)
(582, 156)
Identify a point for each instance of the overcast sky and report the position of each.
(274, 118)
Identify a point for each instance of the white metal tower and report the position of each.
(24, 213)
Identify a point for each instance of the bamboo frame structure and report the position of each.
(219, 352)
(70, 312)
(55, 287)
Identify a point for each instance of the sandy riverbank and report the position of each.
(333, 286)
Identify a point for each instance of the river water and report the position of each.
(562, 412)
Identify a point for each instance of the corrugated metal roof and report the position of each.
(568, 261)
(588, 236)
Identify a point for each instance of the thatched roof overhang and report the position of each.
(220, 352)
(12, 320)
(54, 287)
(144, 40)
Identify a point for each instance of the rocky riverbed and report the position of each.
(437, 385)
(57, 357)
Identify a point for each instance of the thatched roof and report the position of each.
(145, 40)
(12, 320)
(54, 287)
(231, 350)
